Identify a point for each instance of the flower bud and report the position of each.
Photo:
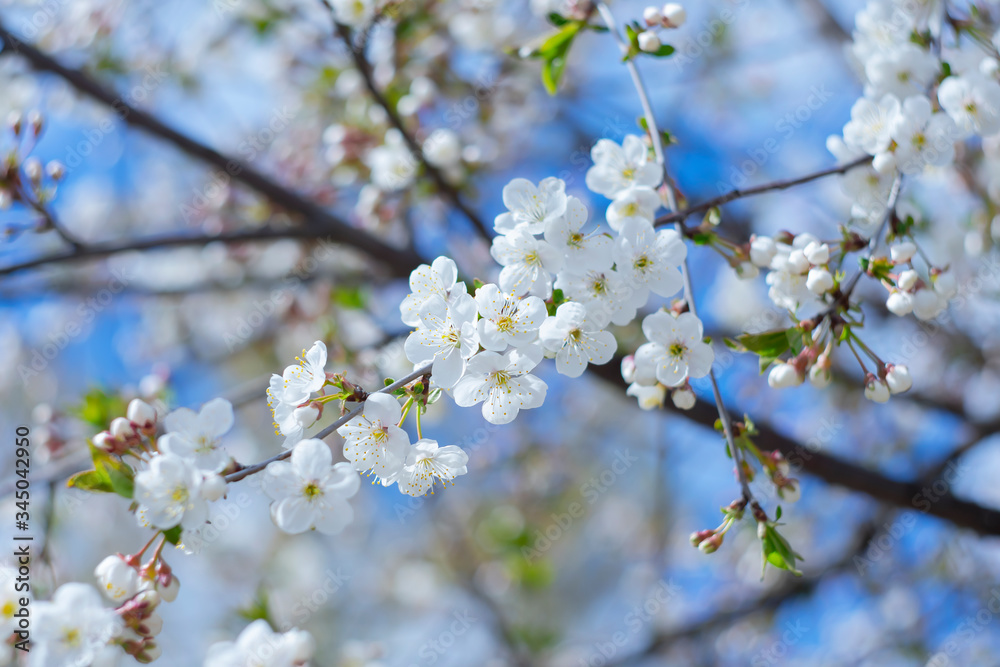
(33, 169)
(783, 375)
(712, 544)
(307, 414)
(142, 414)
(817, 253)
(169, 592)
(649, 42)
(55, 170)
(300, 646)
(898, 379)
(105, 442)
(151, 625)
(945, 285)
(149, 652)
(700, 536)
(900, 303)
(15, 121)
(121, 428)
(790, 491)
(907, 279)
(884, 162)
(683, 398)
(928, 304)
(650, 398)
(36, 122)
(819, 376)
(761, 530)
(628, 369)
(797, 262)
(652, 16)
(902, 252)
(118, 580)
(213, 487)
(762, 250)
(674, 15)
(819, 281)
(747, 271)
(876, 390)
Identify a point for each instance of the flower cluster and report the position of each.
(671, 15)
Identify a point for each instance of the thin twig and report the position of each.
(440, 182)
(257, 467)
(680, 216)
(654, 133)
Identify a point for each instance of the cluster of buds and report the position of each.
(708, 541)
(653, 396)
(891, 379)
(139, 588)
(19, 175)
(671, 15)
(811, 363)
(908, 292)
(124, 433)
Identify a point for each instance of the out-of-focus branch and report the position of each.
(332, 227)
(98, 250)
(680, 216)
(440, 182)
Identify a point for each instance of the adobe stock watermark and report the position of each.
(76, 153)
(966, 631)
(433, 649)
(249, 149)
(306, 606)
(86, 312)
(590, 491)
(775, 652)
(263, 309)
(904, 524)
(639, 616)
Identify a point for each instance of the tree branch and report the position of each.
(680, 216)
(332, 227)
(440, 182)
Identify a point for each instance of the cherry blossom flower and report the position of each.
(650, 259)
(119, 581)
(355, 13)
(575, 341)
(638, 202)
(72, 628)
(195, 435)
(290, 420)
(502, 383)
(392, 165)
(426, 462)
(373, 440)
(528, 263)
(923, 137)
(905, 70)
(870, 122)
(618, 168)
(259, 646)
(507, 320)
(309, 491)
(676, 350)
(439, 278)
(973, 102)
(579, 249)
(448, 337)
(606, 294)
(535, 206)
(650, 397)
(302, 379)
(170, 492)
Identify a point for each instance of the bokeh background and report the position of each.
(446, 579)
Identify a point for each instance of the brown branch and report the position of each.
(440, 182)
(773, 186)
(332, 227)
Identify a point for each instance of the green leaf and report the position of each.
(772, 344)
(119, 474)
(554, 50)
(777, 513)
(701, 238)
(477, 283)
(664, 51)
(557, 19)
(173, 535)
(91, 480)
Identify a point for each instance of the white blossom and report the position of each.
(870, 123)
(528, 263)
(502, 383)
(973, 102)
(574, 340)
(506, 319)
(439, 278)
(534, 206)
(606, 294)
(118, 580)
(426, 462)
(578, 248)
(637, 202)
(259, 646)
(71, 629)
(374, 441)
(447, 337)
(196, 435)
(618, 168)
(170, 492)
(648, 259)
(675, 349)
(310, 491)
